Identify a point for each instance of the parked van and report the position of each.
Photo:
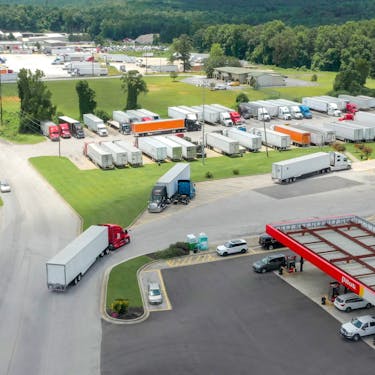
(270, 263)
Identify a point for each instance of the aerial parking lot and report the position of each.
(227, 319)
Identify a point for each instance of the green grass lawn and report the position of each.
(120, 195)
(123, 282)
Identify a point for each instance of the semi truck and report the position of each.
(319, 105)
(166, 188)
(255, 110)
(89, 71)
(271, 109)
(73, 261)
(287, 171)
(361, 103)
(198, 112)
(158, 127)
(119, 155)
(225, 145)
(294, 108)
(98, 155)
(190, 117)
(234, 115)
(134, 155)
(274, 139)
(50, 130)
(345, 133)
(298, 137)
(342, 104)
(95, 124)
(151, 147)
(305, 110)
(123, 120)
(64, 130)
(211, 116)
(75, 127)
(283, 111)
(249, 141)
(174, 150)
(189, 150)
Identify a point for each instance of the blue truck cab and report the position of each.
(305, 110)
(187, 188)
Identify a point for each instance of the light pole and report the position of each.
(265, 132)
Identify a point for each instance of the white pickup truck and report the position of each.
(358, 327)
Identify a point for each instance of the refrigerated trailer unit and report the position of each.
(152, 148)
(98, 155)
(134, 155)
(345, 133)
(249, 141)
(274, 139)
(319, 162)
(119, 155)
(189, 150)
(223, 144)
(174, 150)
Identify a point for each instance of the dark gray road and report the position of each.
(228, 320)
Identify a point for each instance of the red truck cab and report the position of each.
(351, 108)
(64, 130)
(347, 116)
(54, 133)
(235, 117)
(117, 236)
(147, 119)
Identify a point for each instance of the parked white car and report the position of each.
(4, 186)
(350, 301)
(232, 247)
(154, 294)
(358, 327)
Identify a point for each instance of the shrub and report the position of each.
(209, 175)
(177, 249)
(314, 77)
(119, 306)
(236, 171)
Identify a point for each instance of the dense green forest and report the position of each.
(238, 26)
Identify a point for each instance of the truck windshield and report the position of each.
(357, 323)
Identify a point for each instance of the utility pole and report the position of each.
(265, 132)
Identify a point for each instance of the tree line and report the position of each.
(329, 47)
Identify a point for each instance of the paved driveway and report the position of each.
(227, 319)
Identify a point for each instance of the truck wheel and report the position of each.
(101, 254)
(79, 277)
(270, 247)
(128, 240)
(107, 251)
(76, 281)
(356, 337)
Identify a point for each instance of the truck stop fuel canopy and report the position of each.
(343, 247)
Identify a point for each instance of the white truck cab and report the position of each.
(358, 327)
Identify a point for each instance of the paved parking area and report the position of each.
(227, 319)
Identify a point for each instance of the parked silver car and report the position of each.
(350, 301)
(154, 294)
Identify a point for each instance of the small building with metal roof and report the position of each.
(343, 247)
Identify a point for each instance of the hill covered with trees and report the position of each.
(296, 12)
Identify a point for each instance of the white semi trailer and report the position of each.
(134, 155)
(95, 124)
(119, 155)
(345, 133)
(98, 155)
(287, 171)
(152, 148)
(274, 139)
(250, 141)
(320, 105)
(189, 150)
(174, 150)
(223, 144)
(367, 118)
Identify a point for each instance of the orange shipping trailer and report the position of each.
(158, 127)
(298, 136)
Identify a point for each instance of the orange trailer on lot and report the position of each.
(298, 136)
(158, 127)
